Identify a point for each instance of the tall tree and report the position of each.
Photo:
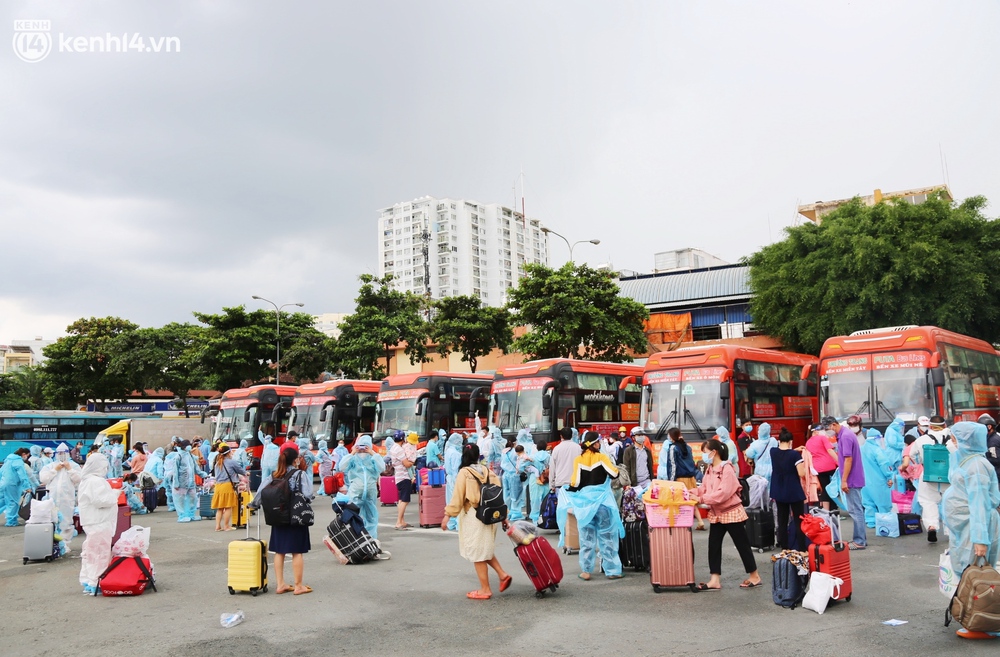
(462, 324)
(77, 365)
(161, 358)
(236, 346)
(307, 355)
(383, 318)
(576, 312)
(23, 389)
(887, 265)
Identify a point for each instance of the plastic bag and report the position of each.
(232, 619)
(132, 543)
(822, 587)
(835, 492)
(522, 532)
(42, 512)
(947, 579)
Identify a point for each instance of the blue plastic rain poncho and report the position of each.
(135, 504)
(42, 461)
(339, 452)
(154, 465)
(62, 478)
(876, 496)
(98, 503)
(895, 442)
(525, 440)
(240, 454)
(537, 491)
(325, 464)
(497, 445)
(513, 487)
(170, 475)
(34, 460)
(306, 452)
(969, 506)
(185, 491)
(269, 458)
(760, 451)
(117, 453)
(722, 433)
(361, 474)
(597, 517)
(452, 464)
(576, 435)
(14, 480)
(433, 452)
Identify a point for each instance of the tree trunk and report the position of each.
(472, 364)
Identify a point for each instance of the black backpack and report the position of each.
(491, 509)
(788, 588)
(276, 502)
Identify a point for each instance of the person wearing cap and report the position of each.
(992, 441)
(597, 515)
(922, 426)
(852, 474)
(638, 461)
(46, 458)
(403, 455)
(62, 477)
(929, 493)
(824, 458)
(225, 499)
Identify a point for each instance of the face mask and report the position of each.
(707, 457)
(748, 428)
(856, 430)
(62, 456)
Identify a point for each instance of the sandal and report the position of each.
(505, 583)
(855, 546)
(476, 595)
(614, 576)
(701, 528)
(705, 587)
(747, 584)
(584, 576)
(285, 589)
(307, 589)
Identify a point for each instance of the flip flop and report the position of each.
(402, 528)
(584, 576)
(307, 589)
(614, 576)
(505, 583)
(705, 587)
(855, 546)
(747, 584)
(285, 590)
(476, 595)
(966, 634)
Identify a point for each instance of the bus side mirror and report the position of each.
(937, 376)
(724, 390)
(246, 415)
(803, 390)
(419, 410)
(546, 397)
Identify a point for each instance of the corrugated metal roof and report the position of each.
(717, 284)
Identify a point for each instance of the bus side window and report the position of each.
(567, 402)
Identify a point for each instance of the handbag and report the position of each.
(301, 510)
(24, 509)
(822, 587)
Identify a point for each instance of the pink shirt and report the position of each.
(818, 445)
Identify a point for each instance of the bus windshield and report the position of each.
(400, 415)
(898, 392)
(502, 406)
(688, 399)
(230, 425)
(305, 420)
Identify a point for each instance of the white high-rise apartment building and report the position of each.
(471, 248)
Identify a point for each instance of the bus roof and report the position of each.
(899, 337)
(723, 355)
(254, 391)
(337, 387)
(552, 365)
(422, 377)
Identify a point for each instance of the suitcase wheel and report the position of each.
(48, 559)
(656, 588)
(254, 593)
(231, 591)
(25, 561)
(848, 598)
(540, 594)
(264, 589)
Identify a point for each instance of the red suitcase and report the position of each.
(671, 557)
(541, 563)
(388, 495)
(833, 560)
(431, 502)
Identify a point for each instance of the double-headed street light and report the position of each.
(277, 327)
(550, 231)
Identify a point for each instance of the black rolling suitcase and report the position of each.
(634, 548)
(760, 528)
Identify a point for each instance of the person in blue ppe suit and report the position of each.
(339, 453)
(537, 491)
(433, 451)
(895, 441)
(876, 458)
(135, 504)
(497, 445)
(525, 440)
(33, 460)
(268, 458)
(185, 489)
(760, 452)
(597, 516)
(576, 436)
(14, 480)
(44, 460)
(361, 469)
(513, 487)
(241, 455)
(722, 433)
(325, 465)
(62, 478)
(969, 506)
(170, 473)
(307, 455)
(156, 467)
(117, 453)
(452, 464)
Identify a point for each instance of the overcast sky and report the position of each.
(148, 185)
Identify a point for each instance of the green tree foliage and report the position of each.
(161, 358)
(383, 318)
(23, 389)
(308, 355)
(236, 346)
(887, 265)
(464, 325)
(78, 364)
(576, 312)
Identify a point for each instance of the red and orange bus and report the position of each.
(699, 389)
(909, 371)
(334, 410)
(245, 411)
(544, 396)
(427, 401)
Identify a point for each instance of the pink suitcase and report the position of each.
(541, 563)
(431, 501)
(671, 556)
(388, 495)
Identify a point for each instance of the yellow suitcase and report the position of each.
(248, 564)
(242, 513)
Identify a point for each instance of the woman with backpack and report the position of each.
(291, 539)
(678, 465)
(720, 490)
(476, 540)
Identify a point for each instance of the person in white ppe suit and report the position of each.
(62, 477)
(99, 516)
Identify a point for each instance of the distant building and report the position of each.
(816, 211)
(665, 261)
(23, 353)
(446, 247)
(329, 323)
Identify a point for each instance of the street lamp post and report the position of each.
(550, 231)
(277, 330)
